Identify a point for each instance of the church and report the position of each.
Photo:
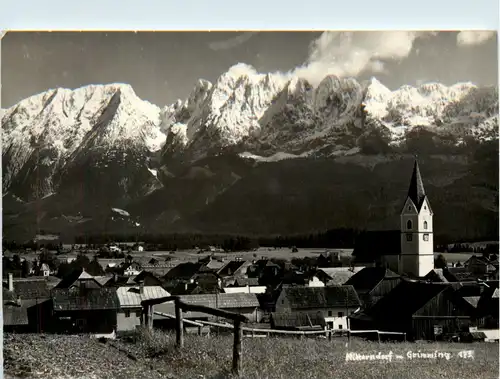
(410, 250)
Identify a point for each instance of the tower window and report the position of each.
(409, 237)
(409, 207)
(425, 224)
(408, 225)
(426, 237)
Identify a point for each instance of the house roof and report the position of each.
(246, 282)
(368, 278)
(28, 288)
(301, 297)
(297, 320)
(436, 275)
(458, 274)
(230, 268)
(103, 280)
(92, 299)
(75, 275)
(472, 300)
(132, 297)
(416, 192)
(226, 301)
(215, 264)
(184, 270)
(405, 299)
(338, 275)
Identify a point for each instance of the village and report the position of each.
(391, 287)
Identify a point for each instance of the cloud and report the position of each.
(350, 53)
(470, 38)
(231, 42)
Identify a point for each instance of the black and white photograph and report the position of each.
(252, 204)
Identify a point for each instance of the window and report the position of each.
(409, 207)
(408, 225)
(138, 314)
(340, 326)
(329, 313)
(341, 314)
(425, 225)
(426, 237)
(127, 313)
(409, 237)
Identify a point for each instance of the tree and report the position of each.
(440, 261)
(94, 267)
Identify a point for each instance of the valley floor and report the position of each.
(153, 355)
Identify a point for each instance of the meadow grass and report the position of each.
(294, 358)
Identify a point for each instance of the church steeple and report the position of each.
(416, 192)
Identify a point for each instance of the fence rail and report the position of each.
(237, 327)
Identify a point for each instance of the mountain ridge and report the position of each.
(79, 153)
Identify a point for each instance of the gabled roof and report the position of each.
(94, 299)
(184, 270)
(302, 298)
(222, 301)
(369, 277)
(458, 274)
(132, 296)
(416, 192)
(77, 275)
(230, 268)
(472, 300)
(338, 275)
(405, 300)
(28, 288)
(246, 282)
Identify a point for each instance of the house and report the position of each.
(436, 276)
(242, 303)
(298, 321)
(147, 278)
(479, 266)
(422, 310)
(245, 285)
(130, 310)
(230, 268)
(334, 302)
(41, 270)
(21, 301)
(132, 268)
(78, 278)
(373, 283)
(83, 310)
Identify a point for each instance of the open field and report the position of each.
(36, 356)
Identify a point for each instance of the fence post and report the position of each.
(348, 337)
(405, 336)
(199, 330)
(378, 335)
(237, 347)
(179, 327)
(330, 335)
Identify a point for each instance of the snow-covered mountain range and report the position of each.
(57, 135)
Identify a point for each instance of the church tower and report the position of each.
(417, 243)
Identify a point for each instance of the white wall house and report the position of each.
(245, 289)
(334, 302)
(315, 282)
(130, 311)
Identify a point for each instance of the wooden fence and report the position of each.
(237, 327)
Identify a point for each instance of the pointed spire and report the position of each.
(416, 192)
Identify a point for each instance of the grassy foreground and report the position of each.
(155, 356)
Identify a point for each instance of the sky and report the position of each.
(164, 66)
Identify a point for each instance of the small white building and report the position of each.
(130, 298)
(334, 302)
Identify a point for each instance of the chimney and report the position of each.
(11, 282)
(141, 287)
